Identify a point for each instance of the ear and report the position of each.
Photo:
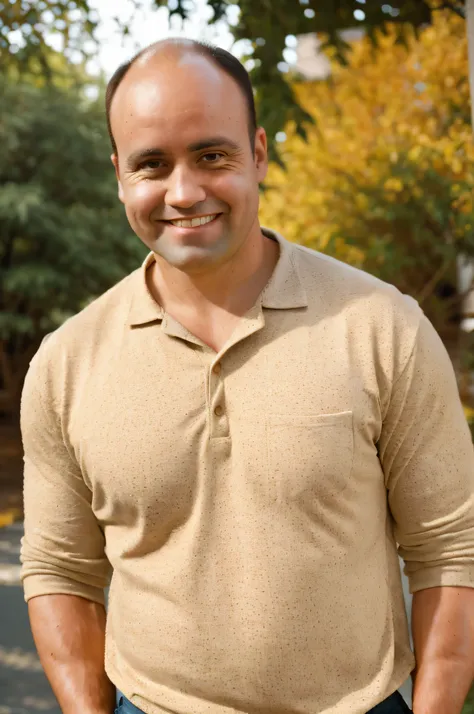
(261, 154)
(114, 159)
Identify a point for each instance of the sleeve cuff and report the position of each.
(461, 576)
(37, 585)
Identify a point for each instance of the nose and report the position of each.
(184, 188)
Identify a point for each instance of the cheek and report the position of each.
(238, 190)
(142, 199)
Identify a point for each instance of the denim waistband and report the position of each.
(394, 704)
(125, 706)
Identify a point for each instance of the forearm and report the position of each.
(69, 633)
(443, 636)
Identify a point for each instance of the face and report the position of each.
(186, 170)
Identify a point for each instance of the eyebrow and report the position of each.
(210, 143)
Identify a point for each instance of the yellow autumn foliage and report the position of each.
(391, 132)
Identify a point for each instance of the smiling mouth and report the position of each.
(194, 222)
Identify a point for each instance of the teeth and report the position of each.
(193, 222)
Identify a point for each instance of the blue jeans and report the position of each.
(395, 704)
(124, 706)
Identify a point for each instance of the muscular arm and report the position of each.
(443, 635)
(69, 633)
(65, 568)
(428, 460)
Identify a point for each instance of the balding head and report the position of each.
(178, 51)
(180, 127)
(171, 48)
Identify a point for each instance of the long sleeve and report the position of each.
(63, 546)
(428, 460)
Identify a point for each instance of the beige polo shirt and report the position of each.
(248, 503)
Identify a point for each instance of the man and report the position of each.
(241, 432)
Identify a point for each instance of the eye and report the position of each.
(152, 164)
(212, 157)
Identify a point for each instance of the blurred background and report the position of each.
(367, 106)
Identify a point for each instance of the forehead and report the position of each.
(173, 100)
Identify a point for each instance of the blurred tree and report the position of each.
(63, 234)
(25, 24)
(386, 179)
(469, 11)
(469, 705)
(276, 21)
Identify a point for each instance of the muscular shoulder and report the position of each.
(101, 318)
(336, 286)
(75, 350)
(376, 323)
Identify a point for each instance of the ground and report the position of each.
(23, 686)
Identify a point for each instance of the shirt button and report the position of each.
(218, 411)
(217, 368)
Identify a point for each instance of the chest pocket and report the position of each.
(310, 457)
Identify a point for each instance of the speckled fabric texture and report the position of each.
(249, 503)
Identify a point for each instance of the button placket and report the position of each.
(219, 424)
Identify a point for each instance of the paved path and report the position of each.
(23, 686)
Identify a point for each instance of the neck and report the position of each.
(232, 286)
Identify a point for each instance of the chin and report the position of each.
(182, 255)
(187, 258)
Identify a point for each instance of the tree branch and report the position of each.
(453, 8)
(429, 287)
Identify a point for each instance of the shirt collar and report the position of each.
(143, 307)
(284, 290)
